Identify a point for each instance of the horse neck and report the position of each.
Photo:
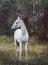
(23, 28)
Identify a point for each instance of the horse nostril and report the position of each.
(11, 27)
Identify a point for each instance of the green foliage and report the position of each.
(8, 10)
(26, 6)
(46, 1)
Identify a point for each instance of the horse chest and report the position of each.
(18, 34)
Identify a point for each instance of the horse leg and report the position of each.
(20, 49)
(16, 49)
(26, 45)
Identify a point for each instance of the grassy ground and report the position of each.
(37, 52)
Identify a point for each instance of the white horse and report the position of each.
(20, 35)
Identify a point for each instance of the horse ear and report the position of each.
(18, 17)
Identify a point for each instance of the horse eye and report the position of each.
(16, 22)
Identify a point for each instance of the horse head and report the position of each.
(16, 24)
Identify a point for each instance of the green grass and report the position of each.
(37, 52)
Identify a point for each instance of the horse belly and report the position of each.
(25, 37)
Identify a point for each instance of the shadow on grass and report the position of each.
(6, 59)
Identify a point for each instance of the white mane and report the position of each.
(23, 27)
